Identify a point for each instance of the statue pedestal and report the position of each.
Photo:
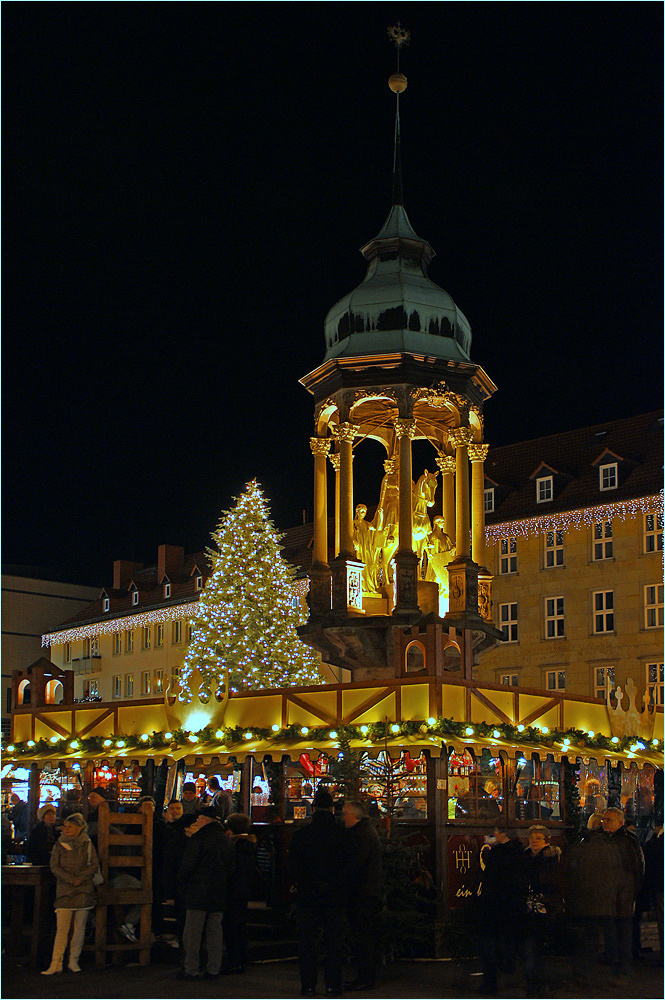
(406, 584)
(320, 589)
(347, 586)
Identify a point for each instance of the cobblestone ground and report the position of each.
(459, 979)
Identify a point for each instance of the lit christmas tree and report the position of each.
(245, 620)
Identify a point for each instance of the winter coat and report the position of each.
(40, 843)
(364, 860)
(319, 860)
(592, 873)
(631, 870)
(69, 860)
(173, 844)
(206, 866)
(504, 882)
(245, 872)
(544, 875)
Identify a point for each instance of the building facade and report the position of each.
(574, 541)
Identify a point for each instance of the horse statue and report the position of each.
(422, 498)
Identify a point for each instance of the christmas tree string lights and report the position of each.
(244, 623)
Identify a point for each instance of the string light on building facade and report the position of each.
(574, 519)
(158, 616)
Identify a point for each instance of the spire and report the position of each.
(397, 84)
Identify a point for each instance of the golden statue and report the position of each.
(440, 550)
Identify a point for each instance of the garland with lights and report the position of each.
(574, 519)
(569, 741)
(172, 613)
(246, 618)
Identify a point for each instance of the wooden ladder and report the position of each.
(140, 858)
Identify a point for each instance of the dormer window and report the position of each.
(106, 603)
(609, 476)
(489, 501)
(167, 590)
(135, 597)
(544, 489)
(198, 582)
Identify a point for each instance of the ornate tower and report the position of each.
(397, 367)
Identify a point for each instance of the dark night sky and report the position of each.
(186, 187)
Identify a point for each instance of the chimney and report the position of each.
(170, 562)
(123, 571)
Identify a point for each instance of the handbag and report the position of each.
(535, 902)
(97, 878)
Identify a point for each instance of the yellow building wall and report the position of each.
(629, 648)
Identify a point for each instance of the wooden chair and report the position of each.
(140, 858)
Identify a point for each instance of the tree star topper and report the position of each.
(399, 35)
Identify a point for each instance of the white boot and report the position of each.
(53, 968)
(63, 918)
(78, 935)
(73, 965)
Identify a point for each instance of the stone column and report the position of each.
(460, 437)
(477, 456)
(346, 434)
(334, 461)
(446, 464)
(320, 571)
(406, 560)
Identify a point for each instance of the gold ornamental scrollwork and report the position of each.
(334, 460)
(446, 463)
(478, 452)
(405, 428)
(347, 432)
(320, 446)
(460, 437)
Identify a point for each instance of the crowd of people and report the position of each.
(595, 891)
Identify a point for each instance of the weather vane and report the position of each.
(399, 37)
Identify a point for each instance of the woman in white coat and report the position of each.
(74, 864)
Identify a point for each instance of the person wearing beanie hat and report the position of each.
(43, 836)
(319, 860)
(207, 863)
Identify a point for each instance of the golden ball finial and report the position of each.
(397, 83)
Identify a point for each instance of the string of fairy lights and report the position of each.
(570, 742)
(156, 617)
(575, 519)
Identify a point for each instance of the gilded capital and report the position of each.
(446, 463)
(390, 466)
(320, 446)
(478, 452)
(405, 428)
(347, 432)
(334, 460)
(460, 437)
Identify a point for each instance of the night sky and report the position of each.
(186, 187)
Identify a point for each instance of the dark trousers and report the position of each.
(584, 932)
(313, 916)
(618, 933)
(497, 944)
(363, 917)
(235, 934)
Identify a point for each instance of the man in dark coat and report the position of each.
(364, 892)
(203, 879)
(318, 856)
(502, 905)
(628, 882)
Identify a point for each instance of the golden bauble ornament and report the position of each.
(397, 83)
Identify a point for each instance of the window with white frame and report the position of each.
(167, 590)
(106, 604)
(544, 489)
(508, 557)
(554, 618)
(135, 597)
(555, 680)
(553, 549)
(129, 641)
(653, 606)
(146, 637)
(508, 621)
(603, 611)
(91, 689)
(94, 646)
(190, 631)
(146, 685)
(177, 631)
(603, 547)
(603, 681)
(68, 652)
(159, 681)
(86, 649)
(117, 686)
(653, 532)
(159, 636)
(509, 680)
(609, 476)
(489, 500)
(117, 643)
(655, 683)
(198, 582)
(129, 685)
